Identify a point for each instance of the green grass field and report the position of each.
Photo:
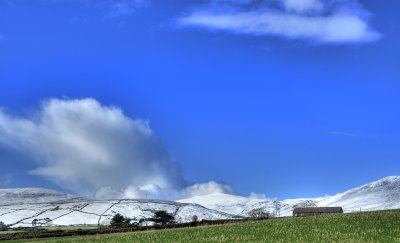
(70, 227)
(9, 232)
(383, 226)
(50, 228)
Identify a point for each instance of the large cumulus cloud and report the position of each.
(96, 150)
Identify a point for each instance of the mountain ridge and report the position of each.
(19, 206)
(35, 195)
(376, 195)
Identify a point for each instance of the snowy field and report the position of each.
(100, 212)
(19, 207)
(378, 195)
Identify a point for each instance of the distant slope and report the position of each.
(19, 207)
(378, 195)
(34, 195)
(100, 212)
(239, 205)
(225, 202)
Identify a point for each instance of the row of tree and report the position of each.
(160, 217)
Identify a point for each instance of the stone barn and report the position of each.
(302, 212)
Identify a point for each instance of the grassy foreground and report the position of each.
(382, 226)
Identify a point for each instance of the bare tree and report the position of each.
(34, 222)
(277, 208)
(47, 221)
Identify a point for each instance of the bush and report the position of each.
(162, 217)
(195, 219)
(119, 221)
(3, 226)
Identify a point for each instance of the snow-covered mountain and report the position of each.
(381, 194)
(34, 195)
(226, 202)
(63, 210)
(19, 207)
(378, 195)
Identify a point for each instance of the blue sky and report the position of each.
(232, 92)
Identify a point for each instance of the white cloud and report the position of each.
(114, 8)
(254, 195)
(154, 191)
(303, 6)
(205, 188)
(331, 21)
(96, 150)
(122, 8)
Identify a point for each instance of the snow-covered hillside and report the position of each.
(239, 205)
(100, 212)
(19, 207)
(225, 202)
(378, 195)
(34, 195)
(381, 194)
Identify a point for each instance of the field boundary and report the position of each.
(31, 233)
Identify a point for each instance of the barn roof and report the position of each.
(319, 210)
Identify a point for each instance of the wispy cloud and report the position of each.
(96, 150)
(319, 21)
(113, 8)
(345, 134)
(123, 8)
